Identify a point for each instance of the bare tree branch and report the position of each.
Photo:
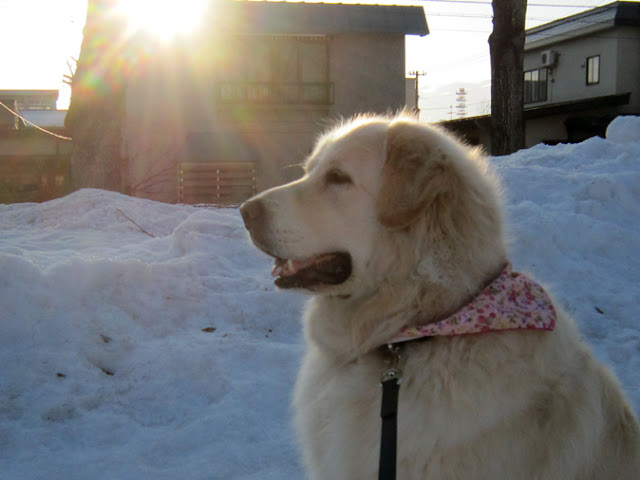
(129, 218)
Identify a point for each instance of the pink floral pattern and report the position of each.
(512, 301)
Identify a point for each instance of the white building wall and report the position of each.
(368, 71)
(628, 71)
(567, 79)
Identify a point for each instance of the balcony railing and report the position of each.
(274, 93)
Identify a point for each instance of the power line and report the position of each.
(447, 108)
(488, 2)
(481, 16)
(62, 137)
(489, 16)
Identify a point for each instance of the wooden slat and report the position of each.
(33, 178)
(216, 183)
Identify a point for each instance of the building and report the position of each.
(30, 99)
(580, 72)
(34, 164)
(235, 108)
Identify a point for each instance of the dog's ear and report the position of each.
(416, 176)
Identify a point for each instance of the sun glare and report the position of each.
(162, 18)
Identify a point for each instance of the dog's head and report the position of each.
(381, 200)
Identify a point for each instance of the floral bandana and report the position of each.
(512, 301)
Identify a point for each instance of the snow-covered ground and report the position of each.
(168, 354)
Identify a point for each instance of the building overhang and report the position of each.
(574, 106)
(28, 93)
(577, 105)
(299, 18)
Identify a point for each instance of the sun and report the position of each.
(164, 19)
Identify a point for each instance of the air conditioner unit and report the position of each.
(548, 58)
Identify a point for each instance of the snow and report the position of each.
(169, 354)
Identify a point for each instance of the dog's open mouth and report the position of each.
(325, 269)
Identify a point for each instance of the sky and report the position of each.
(169, 354)
(37, 40)
(39, 37)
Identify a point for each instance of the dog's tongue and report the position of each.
(285, 268)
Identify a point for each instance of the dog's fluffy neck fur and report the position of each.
(354, 326)
(418, 280)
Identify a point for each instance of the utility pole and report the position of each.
(417, 74)
(461, 106)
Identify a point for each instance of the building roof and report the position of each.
(607, 16)
(28, 93)
(282, 18)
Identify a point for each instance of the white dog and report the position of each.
(396, 230)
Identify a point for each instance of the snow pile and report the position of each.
(161, 350)
(128, 356)
(624, 129)
(573, 211)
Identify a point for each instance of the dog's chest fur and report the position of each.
(463, 401)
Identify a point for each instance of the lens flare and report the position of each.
(164, 19)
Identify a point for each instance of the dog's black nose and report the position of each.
(253, 213)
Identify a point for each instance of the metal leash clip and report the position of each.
(393, 372)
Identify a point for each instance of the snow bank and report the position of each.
(132, 356)
(624, 129)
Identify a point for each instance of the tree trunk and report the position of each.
(96, 110)
(506, 45)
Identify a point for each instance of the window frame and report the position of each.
(592, 76)
(539, 90)
(278, 69)
(262, 59)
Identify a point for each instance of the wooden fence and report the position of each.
(33, 178)
(229, 183)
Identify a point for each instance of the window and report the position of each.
(535, 85)
(282, 59)
(277, 69)
(36, 102)
(593, 70)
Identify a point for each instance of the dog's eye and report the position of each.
(337, 177)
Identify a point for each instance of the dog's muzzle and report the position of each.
(312, 273)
